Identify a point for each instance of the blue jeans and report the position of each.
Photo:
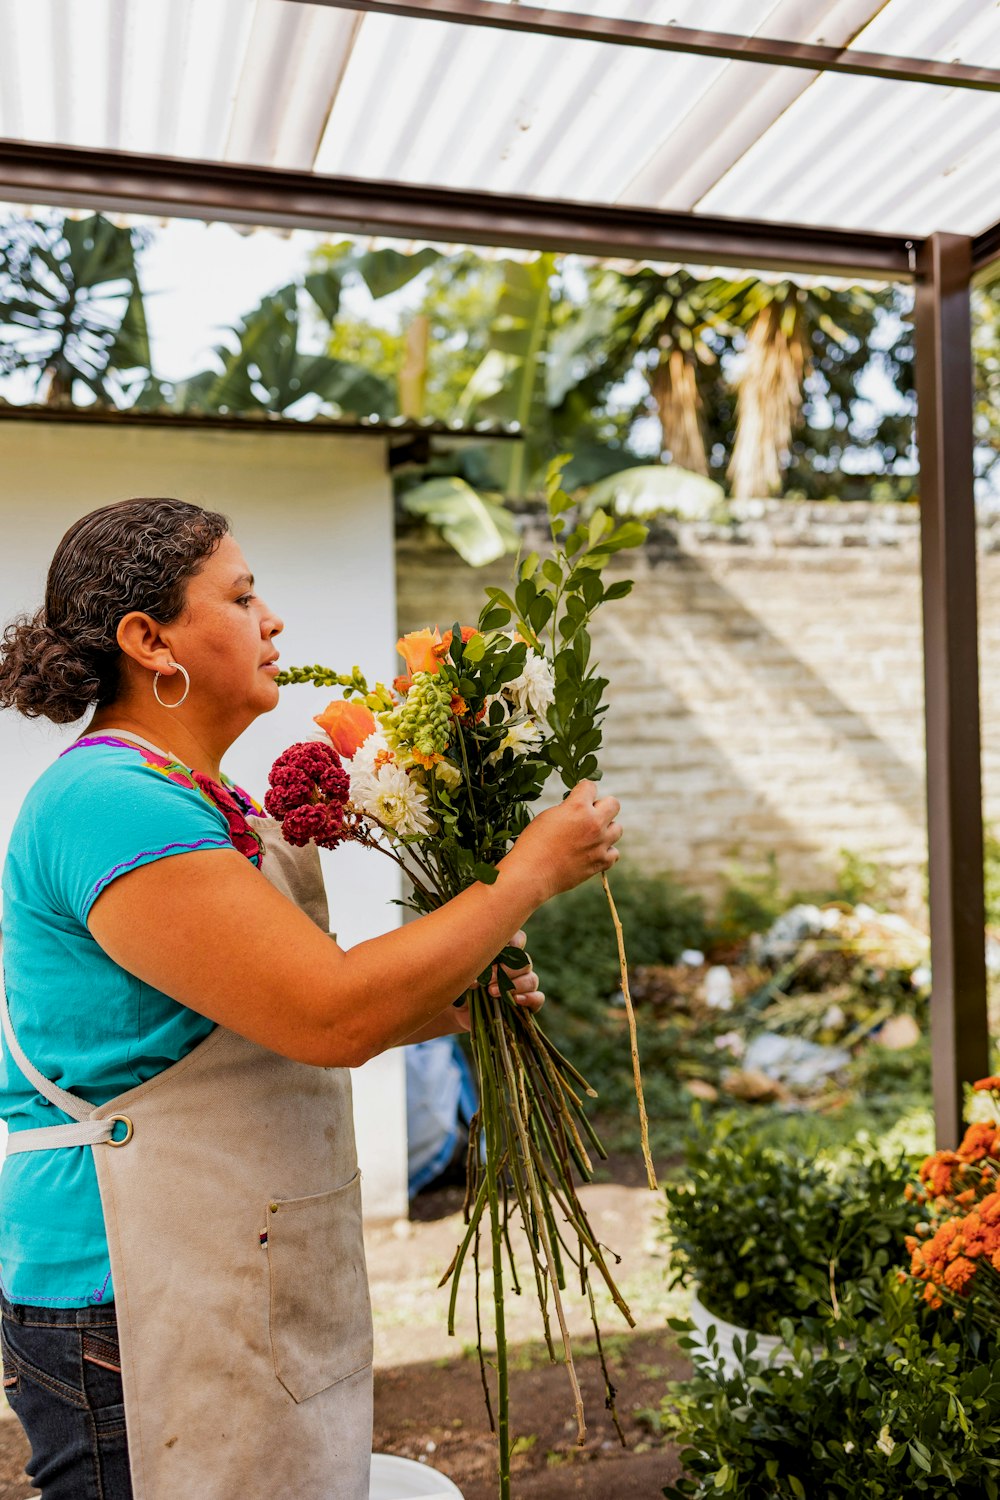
(62, 1377)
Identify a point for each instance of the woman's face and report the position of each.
(224, 639)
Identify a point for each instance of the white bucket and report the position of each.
(401, 1479)
(771, 1348)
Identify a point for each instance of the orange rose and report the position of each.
(422, 650)
(348, 725)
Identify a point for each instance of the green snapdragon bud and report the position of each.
(423, 721)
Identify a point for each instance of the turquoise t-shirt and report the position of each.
(103, 808)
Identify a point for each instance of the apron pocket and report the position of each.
(320, 1314)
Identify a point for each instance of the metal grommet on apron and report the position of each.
(237, 1256)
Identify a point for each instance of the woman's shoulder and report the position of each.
(103, 772)
(102, 808)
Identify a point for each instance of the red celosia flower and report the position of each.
(307, 793)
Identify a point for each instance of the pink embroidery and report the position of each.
(232, 801)
(127, 864)
(98, 1294)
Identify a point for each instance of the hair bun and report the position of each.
(43, 674)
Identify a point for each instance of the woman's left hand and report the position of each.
(526, 991)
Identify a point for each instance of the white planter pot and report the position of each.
(770, 1347)
(401, 1479)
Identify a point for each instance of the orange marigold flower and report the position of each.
(958, 1275)
(426, 760)
(995, 1261)
(979, 1141)
(383, 758)
(937, 1171)
(459, 705)
(988, 1085)
(969, 1196)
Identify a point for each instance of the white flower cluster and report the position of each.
(385, 792)
(534, 691)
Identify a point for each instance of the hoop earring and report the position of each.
(187, 687)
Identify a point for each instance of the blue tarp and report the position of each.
(441, 1099)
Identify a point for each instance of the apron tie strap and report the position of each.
(50, 1137)
(86, 1131)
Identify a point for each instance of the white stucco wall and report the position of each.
(313, 514)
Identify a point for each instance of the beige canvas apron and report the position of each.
(233, 1214)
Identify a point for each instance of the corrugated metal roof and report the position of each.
(269, 82)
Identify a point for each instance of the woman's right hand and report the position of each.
(569, 843)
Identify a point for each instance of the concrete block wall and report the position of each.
(766, 684)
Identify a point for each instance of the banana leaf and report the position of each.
(479, 528)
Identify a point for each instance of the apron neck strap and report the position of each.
(136, 738)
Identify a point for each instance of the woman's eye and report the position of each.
(245, 600)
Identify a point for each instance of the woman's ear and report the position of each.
(139, 637)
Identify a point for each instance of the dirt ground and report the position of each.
(428, 1397)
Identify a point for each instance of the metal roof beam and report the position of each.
(986, 251)
(772, 51)
(161, 185)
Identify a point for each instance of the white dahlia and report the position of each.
(393, 799)
(522, 736)
(534, 690)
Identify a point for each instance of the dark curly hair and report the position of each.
(133, 555)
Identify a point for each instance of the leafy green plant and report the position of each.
(767, 1234)
(890, 1403)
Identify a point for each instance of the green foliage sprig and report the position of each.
(552, 606)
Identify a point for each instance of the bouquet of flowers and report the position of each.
(956, 1249)
(439, 772)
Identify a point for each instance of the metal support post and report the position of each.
(959, 1027)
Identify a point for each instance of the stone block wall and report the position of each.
(766, 684)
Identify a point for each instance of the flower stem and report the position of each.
(633, 1037)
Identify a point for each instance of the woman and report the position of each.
(180, 1227)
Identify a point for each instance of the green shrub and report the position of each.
(764, 1232)
(572, 938)
(888, 1405)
